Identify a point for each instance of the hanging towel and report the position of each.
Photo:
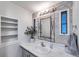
(73, 44)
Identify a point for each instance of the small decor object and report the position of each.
(31, 32)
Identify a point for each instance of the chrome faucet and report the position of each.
(42, 44)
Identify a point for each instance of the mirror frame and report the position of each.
(51, 27)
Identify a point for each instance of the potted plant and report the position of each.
(31, 32)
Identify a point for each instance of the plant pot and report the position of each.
(32, 40)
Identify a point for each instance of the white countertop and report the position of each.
(58, 51)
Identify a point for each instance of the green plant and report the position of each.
(30, 31)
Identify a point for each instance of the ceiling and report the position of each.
(34, 6)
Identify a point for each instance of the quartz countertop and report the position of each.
(35, 48)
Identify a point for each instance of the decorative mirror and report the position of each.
(45, 29)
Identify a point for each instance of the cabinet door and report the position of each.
(26, 53)
(31, 55)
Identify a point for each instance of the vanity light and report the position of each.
(54, 9)
(47, 11)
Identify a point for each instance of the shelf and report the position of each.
(9, 29)
(4, 27)
(8, 19)
(4, 33)
(8, 23)
(9, 35)
(12, 36)
(9, 39)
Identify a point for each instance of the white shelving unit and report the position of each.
(8, 29)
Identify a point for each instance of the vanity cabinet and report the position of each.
(26, 53)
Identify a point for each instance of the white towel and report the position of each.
(72, 44)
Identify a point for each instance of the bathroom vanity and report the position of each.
(34, 49)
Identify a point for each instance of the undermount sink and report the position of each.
(42, 50)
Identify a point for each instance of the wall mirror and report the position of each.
(45, 28)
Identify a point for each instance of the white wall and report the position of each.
(76, 17)
(8, 9)
(59, 38)
(11, 51)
